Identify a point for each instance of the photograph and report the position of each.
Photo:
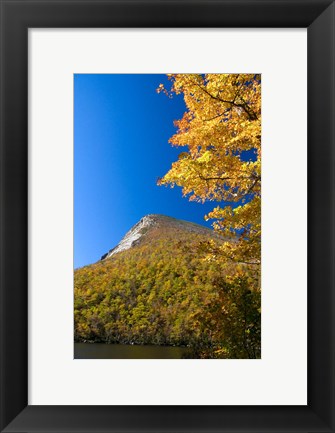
(167, 216)
(138, 293)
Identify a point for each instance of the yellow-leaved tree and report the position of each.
(221, 161)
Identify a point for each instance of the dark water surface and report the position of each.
(127, 351)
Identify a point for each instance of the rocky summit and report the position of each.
(154, 225)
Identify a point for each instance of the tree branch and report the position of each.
(219, 115)
(250, 113)
(258, 178)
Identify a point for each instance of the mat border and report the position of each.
(16, 18)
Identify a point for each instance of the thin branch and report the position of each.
(216, 178)
(258, 178)
(251, 114)
(257, 263)
(239, 90)
(253, 185)
(219, 115)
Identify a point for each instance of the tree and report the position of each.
(220, 130)
(221, 126)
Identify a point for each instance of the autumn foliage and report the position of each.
(220, 135)
(221, 125)
(164, 292)
(203, 292)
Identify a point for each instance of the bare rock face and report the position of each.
(154, 222)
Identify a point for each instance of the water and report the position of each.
(127, 351)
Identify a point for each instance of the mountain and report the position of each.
(158, 286)
(155, 225)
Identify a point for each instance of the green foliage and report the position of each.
(164, 291)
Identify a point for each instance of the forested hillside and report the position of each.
(165, 291)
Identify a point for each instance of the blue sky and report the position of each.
(121, 132)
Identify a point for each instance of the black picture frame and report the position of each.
(19, 15)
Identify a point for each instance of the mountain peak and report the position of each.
(152, 222)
